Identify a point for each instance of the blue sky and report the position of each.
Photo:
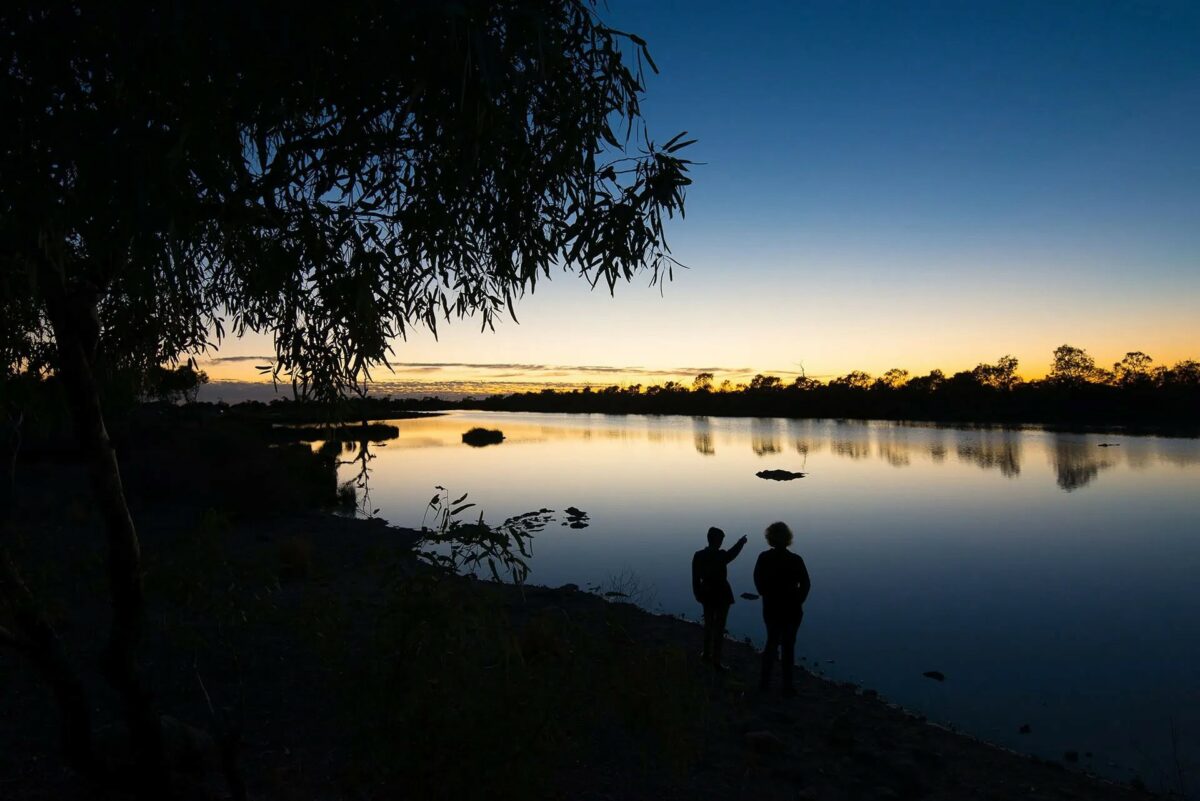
(899, 184)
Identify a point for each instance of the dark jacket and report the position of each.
(710, 582)
(782, 580)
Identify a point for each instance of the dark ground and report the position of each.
(353, 675)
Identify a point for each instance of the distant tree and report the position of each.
(1185, 373)
(892, 379)
(703, 382)
(805, 384)
(1001, 375)
(765, 383)
(1073, 366)
(1135, 368)
(336, 179)
(928, 382)
(173, 385)
(726, 386)
(855, 379)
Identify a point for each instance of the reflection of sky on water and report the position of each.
(1050, 579)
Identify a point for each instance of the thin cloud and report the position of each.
(602, 369)
(227, 359)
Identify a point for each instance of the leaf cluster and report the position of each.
(335, 180)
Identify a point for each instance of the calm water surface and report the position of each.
(1053, 581)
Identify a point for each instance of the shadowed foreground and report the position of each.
(347, 672)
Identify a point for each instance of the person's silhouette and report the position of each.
(781, 578)
(710, 585)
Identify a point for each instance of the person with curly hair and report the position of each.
(781, 578)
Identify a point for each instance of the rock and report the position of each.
(936, 675)
(779, 475)
(569, 588)
(765, 742)
(1025, 729)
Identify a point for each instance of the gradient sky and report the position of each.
(887, 184)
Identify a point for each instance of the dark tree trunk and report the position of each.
(73, 318)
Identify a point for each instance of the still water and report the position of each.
(1053, 580)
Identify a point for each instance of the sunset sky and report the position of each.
(910, 185)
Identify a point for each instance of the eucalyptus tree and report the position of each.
(336, 176)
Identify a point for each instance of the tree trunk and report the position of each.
(73, 319)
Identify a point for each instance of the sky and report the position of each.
(882, 184)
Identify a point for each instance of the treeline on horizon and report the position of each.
(1077, 390)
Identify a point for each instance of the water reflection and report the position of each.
(1077, 463)
(1075, 459)
(993, 450)
(702, 435)
(987, 553)
(764, 436)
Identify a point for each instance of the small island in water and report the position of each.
(480, 437)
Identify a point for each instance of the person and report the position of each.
(710, 585)
(781, 579)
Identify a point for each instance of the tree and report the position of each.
(1133, 369)
(855, 379)
(927, 383)
(1001, 375)
(703, 382)
(1072, 366)
(765, 383)
(892, 379)
(175, 385)
(336, 179)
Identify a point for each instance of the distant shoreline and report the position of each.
(282, 412)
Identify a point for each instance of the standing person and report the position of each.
(710, 585)
(781, 578)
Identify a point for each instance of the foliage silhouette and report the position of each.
(336, 180)
(1075, 392)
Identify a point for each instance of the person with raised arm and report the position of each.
(710, 585)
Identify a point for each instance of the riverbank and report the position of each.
(350, 672)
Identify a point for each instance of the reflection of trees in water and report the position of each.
(764, 436)
(1000, 451)
(851, 448)
(894, 453)
(702, 436)
(1077, 462)
(937, 452)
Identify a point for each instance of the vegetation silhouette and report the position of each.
(482, 437)
(1135, 392)
(334, 179)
